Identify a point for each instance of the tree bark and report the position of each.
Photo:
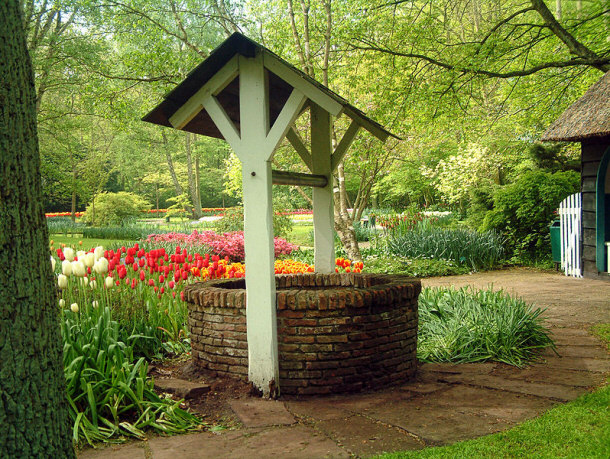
(170, 165)
(191, 178)
(33, 407)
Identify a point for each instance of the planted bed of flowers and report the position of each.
(121, 307)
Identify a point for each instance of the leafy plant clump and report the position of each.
(127, 233)
(464, 247)
(233, 220)
(108, 392)
(468, 325)
(108, 209)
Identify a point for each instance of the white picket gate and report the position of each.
(570, 215)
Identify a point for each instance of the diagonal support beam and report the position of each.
(297, 143)
(298, 81)
(344, 145)
(290, 112)
(215, 85)
(222, 121)
(367, 124)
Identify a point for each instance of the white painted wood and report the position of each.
(570, 218)
(323, 205)
(297, 81)
(366, 124)
(299, 146)
(608, 251)
(344, 144)
(214, 86)
(222, 121)
(290, 112)
(263, 367)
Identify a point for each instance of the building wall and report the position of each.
(592, 153)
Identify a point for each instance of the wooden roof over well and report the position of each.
(279, 91)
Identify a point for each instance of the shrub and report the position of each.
(416, 267)
(63, 225)
(524, 209)
(114, 209)
(233, 220)
(468, 325)
(463, 247)
(125, 233)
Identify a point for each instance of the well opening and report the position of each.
(337, 333)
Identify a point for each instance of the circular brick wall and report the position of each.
(337, 332)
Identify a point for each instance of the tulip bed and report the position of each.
(122, 306)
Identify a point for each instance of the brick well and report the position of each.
(337, 332)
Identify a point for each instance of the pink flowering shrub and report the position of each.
(226, 244)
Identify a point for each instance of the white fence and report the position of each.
(570, 214)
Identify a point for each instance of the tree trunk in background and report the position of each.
(195, 199)
(73, 206)
(33, 408)
(344, 225)
(170, 165)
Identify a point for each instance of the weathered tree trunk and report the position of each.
(73, 205)
(170, 165)
(195, 199)
(344, 225)
(33, 408)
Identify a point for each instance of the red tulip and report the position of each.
(142, 276)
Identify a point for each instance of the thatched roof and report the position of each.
(588, 117)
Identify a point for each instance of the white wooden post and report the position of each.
(323, 205)
(263, 367)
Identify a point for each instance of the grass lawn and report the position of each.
(301, 235)
(87, 243)
(579, 429)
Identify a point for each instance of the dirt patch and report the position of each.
(214, 405)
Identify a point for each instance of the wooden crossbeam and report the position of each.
(295, 140)
(344, 144)
(298, 179)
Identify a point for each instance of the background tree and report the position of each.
(33, 407)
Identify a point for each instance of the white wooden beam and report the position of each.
(299, 146)
(344, 144)
(215, 85)
(222, 121)
(297, 81)
(368, 125)
(261, 320)
(290, 112)
(323, 205)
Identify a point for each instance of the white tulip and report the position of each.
(98, 252)
(66, 268)
(74, 307)
(62, 281)
(95, 304)
(78, 268)
(101, 266)
(80, 254)
(109, 282)
(68, 253)
(93, 284)
(62, 303)
(53, 264)
(84, 281)
(89, 260)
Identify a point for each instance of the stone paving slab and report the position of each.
(542, 374)
(589, 352)
(256, 412)
(287, 442)
(364, 437)
(576, 363)
(552, 391)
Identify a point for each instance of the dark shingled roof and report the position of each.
(279, 91)
(588, 117)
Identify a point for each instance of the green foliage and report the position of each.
(603, 332)
(64, 225)
(125, 233)
(178, 205)
(524, 209)
(414, 267)
(469, 325)
(108, 391)
(114, 209)
(464, 247)
(233, 220)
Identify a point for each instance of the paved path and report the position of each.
(445, 403)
